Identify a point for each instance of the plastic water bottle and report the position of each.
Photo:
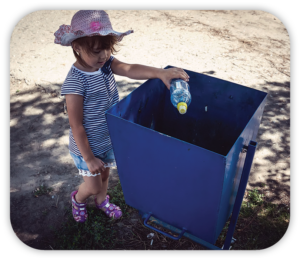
(180, 95)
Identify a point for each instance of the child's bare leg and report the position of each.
(101, 196)
(93, 186)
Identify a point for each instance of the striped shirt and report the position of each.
(99, 91)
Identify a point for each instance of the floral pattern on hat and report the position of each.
(63, 32)
(95, 26)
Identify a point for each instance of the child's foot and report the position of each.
(111, 210)
(78, 209)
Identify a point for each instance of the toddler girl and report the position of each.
(90, 89)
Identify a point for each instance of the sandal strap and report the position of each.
(78, 204)
(79, 214)
(99, 206)
(111, 209)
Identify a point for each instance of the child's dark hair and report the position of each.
(108, 42)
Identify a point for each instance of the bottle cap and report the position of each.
(182, 107)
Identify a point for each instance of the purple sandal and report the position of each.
(78, 209)
(111, 210)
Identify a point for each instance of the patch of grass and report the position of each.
(260, 224)
(255, 197)
(41, 190)
(269, 223)
(98, 232)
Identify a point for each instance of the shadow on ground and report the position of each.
(274, 161)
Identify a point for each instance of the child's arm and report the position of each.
(137, 71)
(75, 112)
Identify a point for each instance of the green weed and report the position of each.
(45, 212)
(41, 190)
(255, 197)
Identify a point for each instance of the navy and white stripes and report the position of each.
(99, 91)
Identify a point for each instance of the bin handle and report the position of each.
(162, 232)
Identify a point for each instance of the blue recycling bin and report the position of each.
(185, 170)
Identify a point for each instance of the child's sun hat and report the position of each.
(86, 23)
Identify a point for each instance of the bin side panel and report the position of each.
(234, 166)
(143, 106)
(181, 184)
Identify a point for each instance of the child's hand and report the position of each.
(95, 165)
(168, 74)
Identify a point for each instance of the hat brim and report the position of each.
(68, 38)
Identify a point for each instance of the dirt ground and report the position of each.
(251, 48)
